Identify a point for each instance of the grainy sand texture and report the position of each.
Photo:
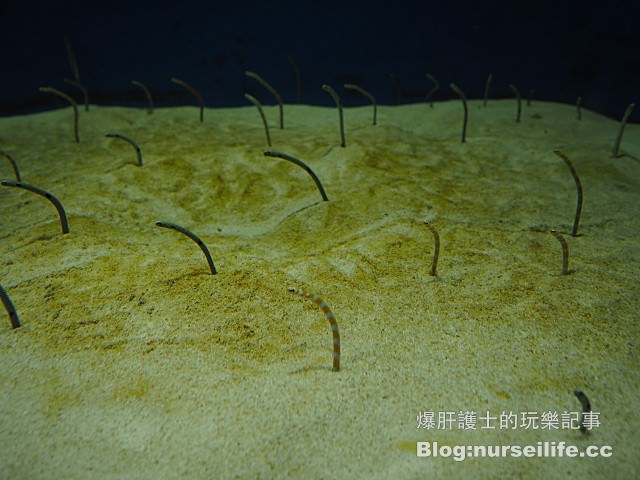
(133, 361)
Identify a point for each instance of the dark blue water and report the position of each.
(556, 50)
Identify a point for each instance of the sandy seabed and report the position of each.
(134, 362)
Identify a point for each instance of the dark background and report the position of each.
(560, 50)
